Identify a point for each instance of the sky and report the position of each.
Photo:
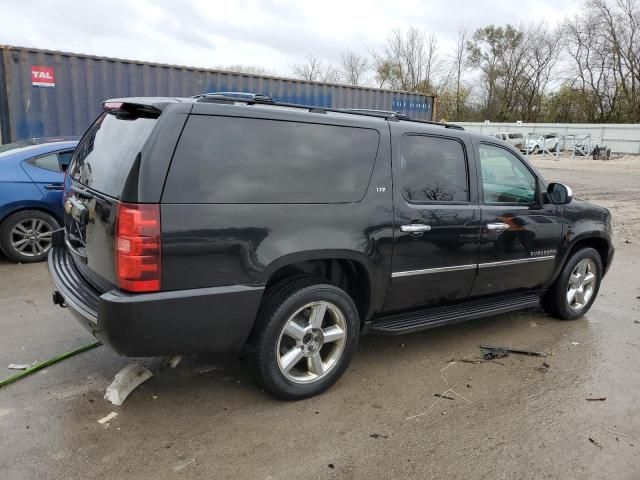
(272, 34)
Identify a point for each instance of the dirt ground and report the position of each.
(518, 417)
(614, 184)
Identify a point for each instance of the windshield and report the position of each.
(17, 147)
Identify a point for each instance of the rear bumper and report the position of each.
(203, 320)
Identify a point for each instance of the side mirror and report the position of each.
(559, 193)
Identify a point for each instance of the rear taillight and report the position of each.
(138, 247)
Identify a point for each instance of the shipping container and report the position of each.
(47, 93)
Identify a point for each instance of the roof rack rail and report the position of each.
(233, 97)
(390, 115)
(253, 98)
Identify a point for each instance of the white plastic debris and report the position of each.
(125, 382)
(104, 420)
(174, 361)
(18, 366)
(183, 464)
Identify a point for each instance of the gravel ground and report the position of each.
(511, 418)
(614, 184)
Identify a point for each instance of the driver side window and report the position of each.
(505, 179)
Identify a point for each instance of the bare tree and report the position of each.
(314, 70)
(399, 64)
(354, 67)
(620, 24)
(593, 72)
(501, 54)
(330, 74)
(408, 61)
(432, 65)
(458, 64)
(542, 48)
(249, 69)
(310, 69)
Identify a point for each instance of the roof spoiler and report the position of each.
(130, 110)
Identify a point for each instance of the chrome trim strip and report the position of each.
(455, 268)
(516, 261)
(415, 228)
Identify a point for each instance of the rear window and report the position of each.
(105, 154)
(246, 160)
(515, 135)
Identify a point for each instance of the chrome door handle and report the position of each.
(498, 227)
(415, 228)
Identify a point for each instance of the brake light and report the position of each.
(112, 105)
(138, 247)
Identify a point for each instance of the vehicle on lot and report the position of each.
(543, 143)
(216, 223)
(515, 139)
(597, 152)
(31, 177)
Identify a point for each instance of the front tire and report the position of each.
(577, 286)
(27, 236)
(304, 338)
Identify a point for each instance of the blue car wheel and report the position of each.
(26, 236)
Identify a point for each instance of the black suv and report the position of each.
(215, 223)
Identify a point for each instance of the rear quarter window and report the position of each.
(47, 162)
(247, 160)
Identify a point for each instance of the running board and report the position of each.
(436, 316)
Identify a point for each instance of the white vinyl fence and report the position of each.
(619, 137)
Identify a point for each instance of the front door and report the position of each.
(520, 235)
(436, 220)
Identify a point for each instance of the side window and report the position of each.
(48, 162)
(505, 179)
(433, 169)
(65, 159)
(247, 160)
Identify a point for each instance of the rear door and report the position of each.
(47, 170)
(520, 235)
(436, 218)
(104, 159)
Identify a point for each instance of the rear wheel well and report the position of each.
(349, 275)
(599, 244)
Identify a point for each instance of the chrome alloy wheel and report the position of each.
(31, 237)
(311, 342)
(582, 284)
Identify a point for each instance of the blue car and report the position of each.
(31, 186)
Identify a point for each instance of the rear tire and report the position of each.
(304, 339)
(576, 288)
(26, 236)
